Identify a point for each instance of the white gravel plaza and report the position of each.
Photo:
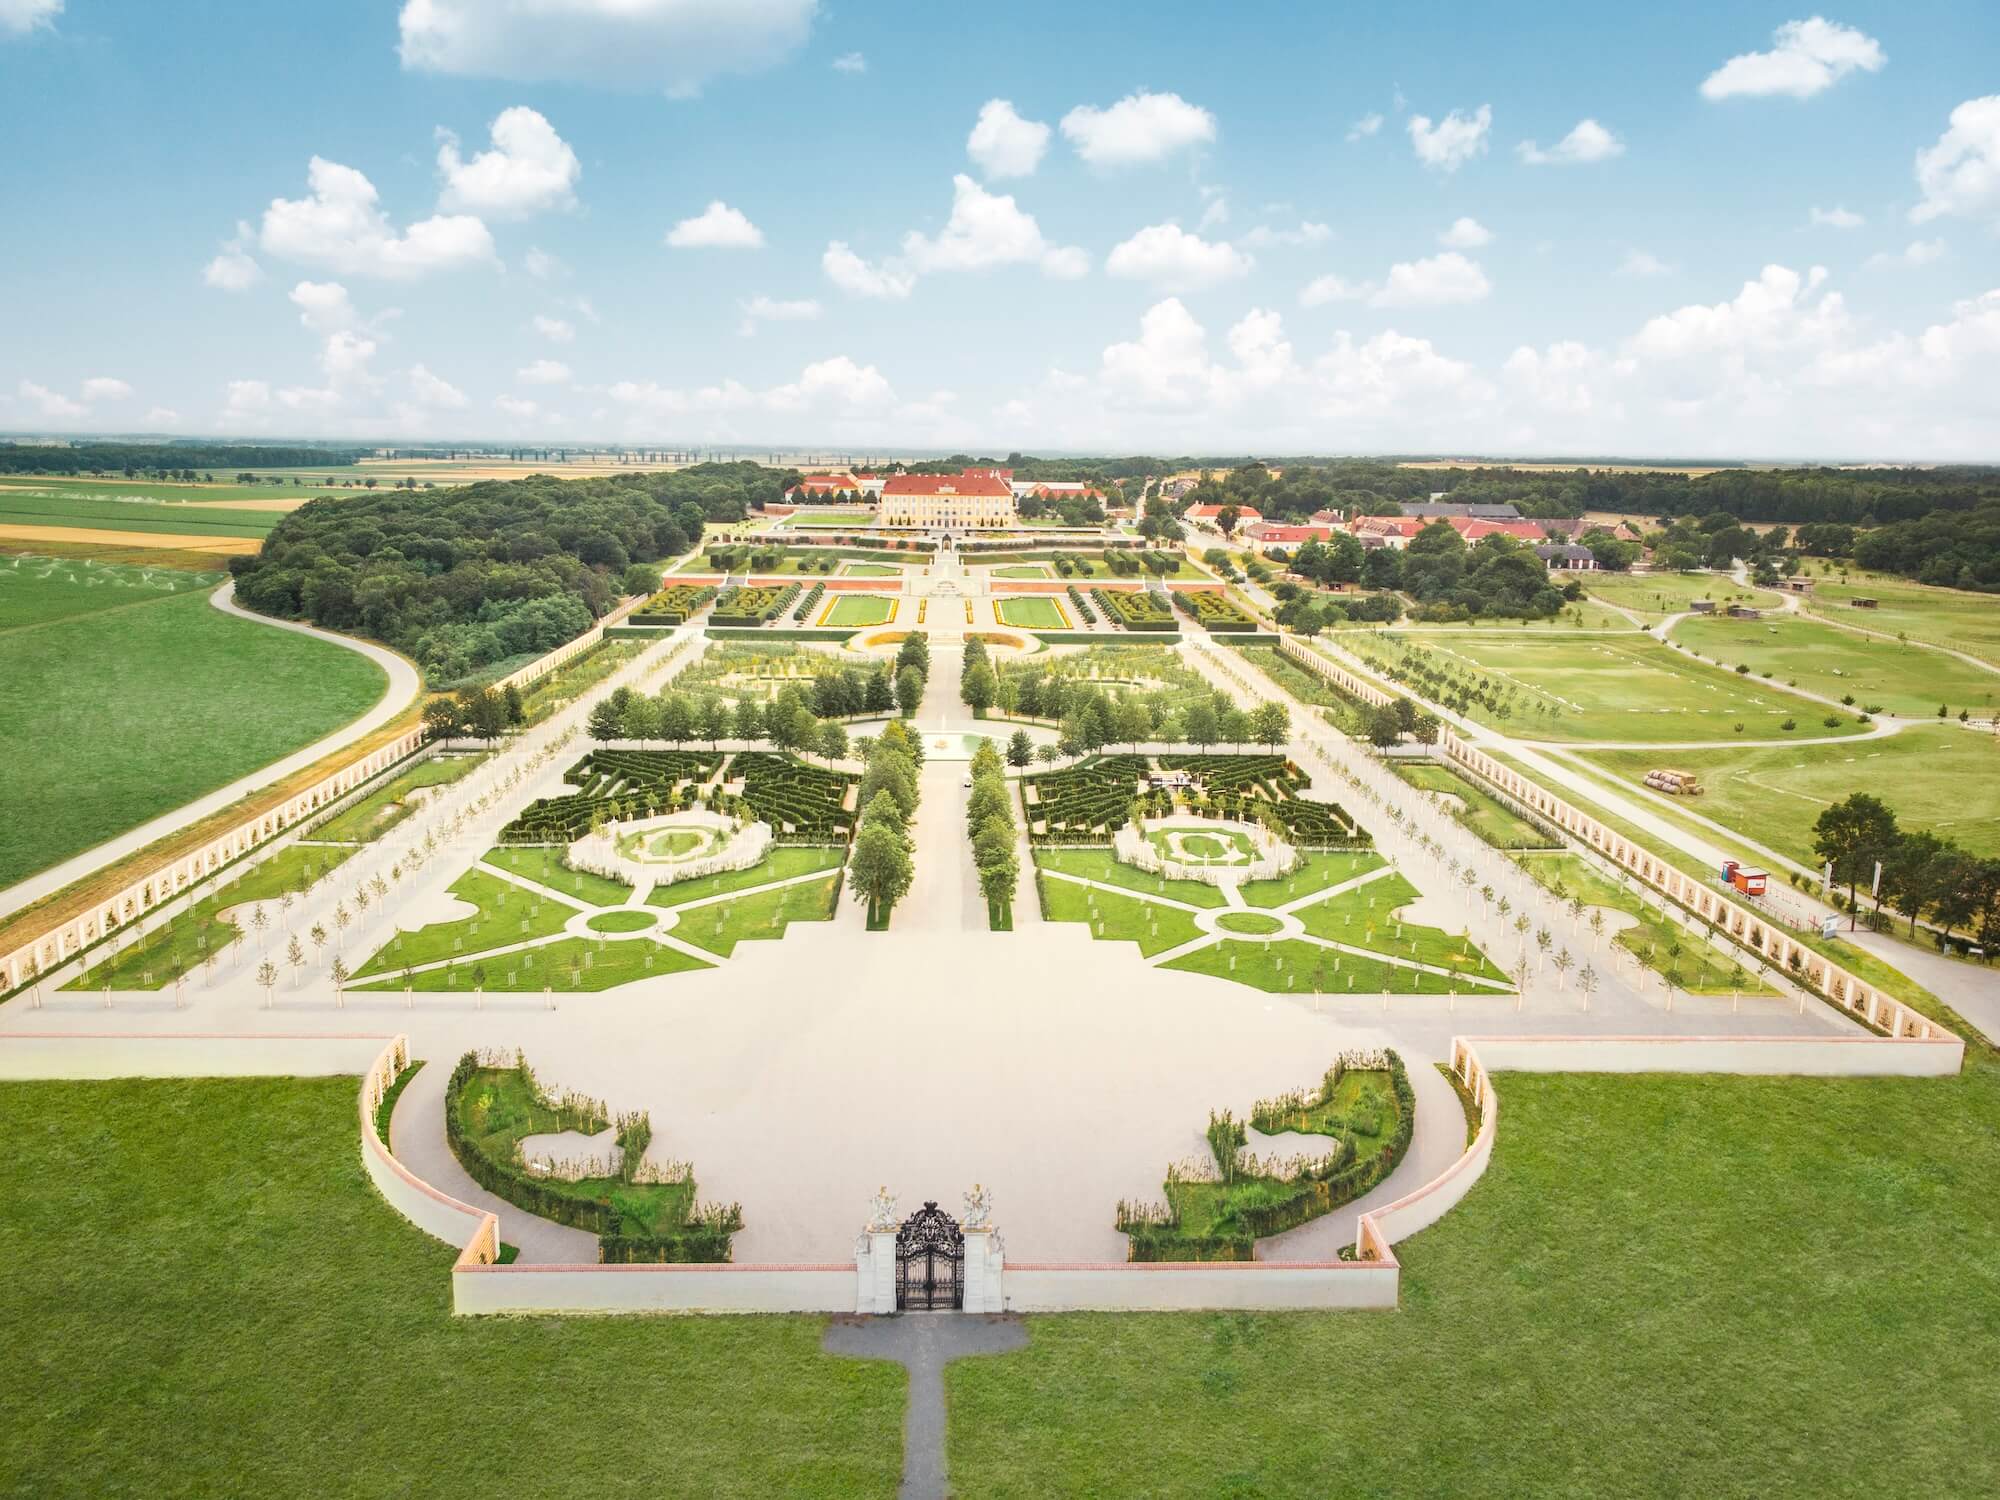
(799, 1075)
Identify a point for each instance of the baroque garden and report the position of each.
(1054, 929)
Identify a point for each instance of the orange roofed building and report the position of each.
(976, 500)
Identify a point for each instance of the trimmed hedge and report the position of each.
(613, 782)
(673, 606)
(1137, 610)
(747, 606)
(1215, 610)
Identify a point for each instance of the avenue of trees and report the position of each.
(990, 827)
(463, 578)
(174, 460)
(880, 867)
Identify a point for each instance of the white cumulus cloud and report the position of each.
(50, 403)
(1168, 256)
(1837, 217)
(1806, 57)
(529, 170)
(163, 417)
(990, 229)
(859, 278)
(1434, 281)
(1466, 234)
(555, 330)
(1960, 175)
(324, 306)
(541, 265)
(717, 227)
(1330, 288)
(850, 62)
(19, 17)
(544, 372)
(1263, 237)
(1453, 141)
(672, 45)
(762, 309)
(434, 391)
(341, 224)
(1916, 254)
(1005, 145)
(1367, 125)
(1140, 128)
(1643, 263)
(517, 407)
(234, 269)
(105, 388)
(1588, 142)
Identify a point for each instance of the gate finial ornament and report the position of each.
(978, 1208)
(882, 1218)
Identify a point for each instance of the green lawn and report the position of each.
(184, 942)
(507, 914)
(1365, 917)
(870, 570)
(622, 919)
(1101, 864)
(1654, 1291)
(38, 590)
(1944, 779)
(1031, 612)
(1201, 846)
(853, 611)
(1700, 968)
(375, 814)
(1822, 658)
(1600, 687)
(568, 964)
(206, 1297)
(544, 866)
(1950, 617)
(1307, 968)
(1249, 923)
(152, 707)
(1654, 596)
(765, 914)
(1155, 928)
(1488, 817)
(1316, 872)
(1023, 572)
(53, 504)
(782, 863)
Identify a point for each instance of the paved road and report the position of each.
(401, 688)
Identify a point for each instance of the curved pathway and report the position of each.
(404, 683)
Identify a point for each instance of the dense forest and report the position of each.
(1959, 549)
(134, 458)
(461, 579)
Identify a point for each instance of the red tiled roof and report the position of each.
(976, 483)
(828, 482)
(1263, 531)
(1210, 512)
(1473, 529)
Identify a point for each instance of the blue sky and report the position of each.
(1742, 229)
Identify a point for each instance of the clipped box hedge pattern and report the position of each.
(1135, 610)
(674, 606)
(614, 783)
(746, 606)
(782, 791)
(1091, 799)
(1215, 610)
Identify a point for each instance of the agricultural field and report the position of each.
(1584, 614)
(23, 505)
(1031, 612)
(224, 492)
(1615, 687)
(1654, 596)
(1946, 617)
(1905, 680)
(1943, 779)
(38, 590)
(153, 705)
(856, 611)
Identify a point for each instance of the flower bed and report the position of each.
(1218, 1209)
(638, 1211)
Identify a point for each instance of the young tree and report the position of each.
(295, 955)
(1271, 724)
(340, 975)
(267, 976)
(1020, 749)
(1425, 729)
(879, 869)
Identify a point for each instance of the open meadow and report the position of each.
(1654, 596)
(1595, 687)
(1945, 617)
(118, 704)
(1821, 658)
(125, 509)
(1944, 779)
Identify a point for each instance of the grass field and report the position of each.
(1031, 612)
(782, 863)
(375, 814)
(1488, 817)
(569, 964)
(1609, 688)
(1290, 967)
(1316, 872)
(38, 590)
(854, 611)
(207, 1297)
(506, 914)
(1654, 596)
(1950, 617)
(1155, 928)
(1653, 1292)
(1699, 967)
(152, 706)
(1585, 614)
(544, 866)
(1367, 917)
(1102, 865)
(1837, 663)
(1944, 779)
(765, 915)
(869, 570)
(1024, 572)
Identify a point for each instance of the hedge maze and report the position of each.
(613, 784)
(1135, 609)
(1215, 610)
(1085, 803)
(673, 606)
(746, 606)
(799, 801)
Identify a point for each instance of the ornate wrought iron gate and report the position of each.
(930, 1262)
